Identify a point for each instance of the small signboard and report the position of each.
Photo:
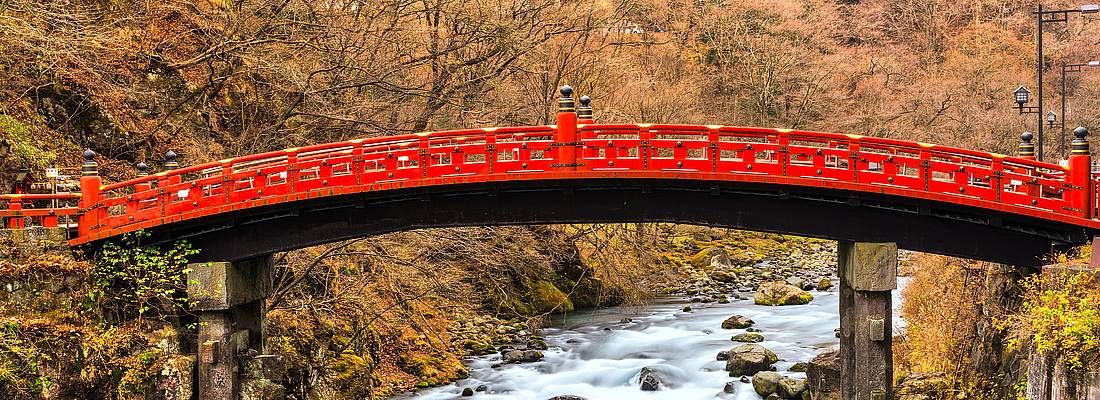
(51, 173)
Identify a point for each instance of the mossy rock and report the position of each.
(593, 292)
(349, 371)
(781, 294)
(703, 258)
(750, 337)
(544, 297)
(433, 370)
(477, 347)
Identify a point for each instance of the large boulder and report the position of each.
(766, 382)
(781, 294)
(711, 257)
(823, 376)
(546, 298)
(748, 359)
(737, 322)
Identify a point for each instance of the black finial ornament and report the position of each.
(170, 162)
(143, 169)
(1026, 148)
(89, 167)
(1080, 145)
(585, 110)
(566, 103)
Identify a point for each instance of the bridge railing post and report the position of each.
(292, 168)
(1079, 177)
(490, 151)
(853, 157)
(566, 137)
(1026, 150)
(584, 117)
(996, 176)
(133, 204)
(14, 222)
(90, 184)
(783, 140)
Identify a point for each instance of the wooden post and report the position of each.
(868, 273)
(566, 138)
(90, 185)
(1080, 173)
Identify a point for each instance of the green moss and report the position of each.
(433, 370)
(350, 371)
(545, 297)
(23, 143)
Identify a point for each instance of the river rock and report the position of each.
(649, 380)
(750, 337)
(467, 392)
(730, 387)
(521, 356)
(766, 382)
(796, 282)
(824, 284)
(723, 355)
(823, 376)
(567, 397)
(798, 367)
(781, 294)
(748, 359)
(723, 276)
(737, 322)
(791, 388)
(687, 309)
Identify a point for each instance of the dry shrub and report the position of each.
(953, 307)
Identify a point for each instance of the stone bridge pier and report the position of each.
(228, 299)
(868, 274)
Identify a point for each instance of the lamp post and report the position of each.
(1070, 68)
(1049, 16)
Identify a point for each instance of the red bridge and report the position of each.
(848, 187)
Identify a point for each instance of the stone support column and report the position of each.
(228, 299)
(868, 273)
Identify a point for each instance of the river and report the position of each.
(594, 355)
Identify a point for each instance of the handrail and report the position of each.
(787, 157)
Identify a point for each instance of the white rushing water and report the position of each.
(587, 360)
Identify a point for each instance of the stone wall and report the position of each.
(17, 244)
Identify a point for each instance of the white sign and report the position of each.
(51, 172)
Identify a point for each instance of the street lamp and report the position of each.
(1071, 68)
(1023, 96)
(1049, 16)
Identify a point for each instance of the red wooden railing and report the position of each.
(569, 151)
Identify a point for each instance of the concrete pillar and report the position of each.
(868, 273)
(228, 299)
